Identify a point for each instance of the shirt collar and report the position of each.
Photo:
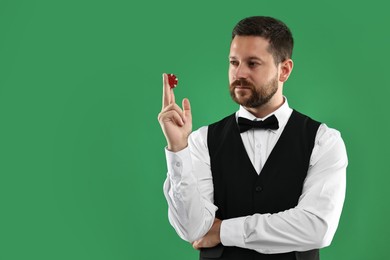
(282, 114)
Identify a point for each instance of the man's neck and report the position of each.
(266, 109)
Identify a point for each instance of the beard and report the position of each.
(258, 96)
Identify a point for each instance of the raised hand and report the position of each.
(175, 122)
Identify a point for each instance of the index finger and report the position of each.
(166, 91)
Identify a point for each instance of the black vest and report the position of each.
(240, 191)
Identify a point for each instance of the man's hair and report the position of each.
(275, 31)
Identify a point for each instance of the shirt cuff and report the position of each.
(178, 163)
(232, 232)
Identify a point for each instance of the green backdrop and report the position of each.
(81, 151)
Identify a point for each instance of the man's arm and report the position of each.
(311, 224)
(188, 187)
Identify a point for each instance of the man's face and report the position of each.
(253, 75)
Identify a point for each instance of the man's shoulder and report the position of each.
(325, 135)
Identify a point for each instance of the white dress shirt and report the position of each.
(311, 224)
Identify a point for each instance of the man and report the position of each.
(266, 182)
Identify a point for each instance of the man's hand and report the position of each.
(212, 238)
(175, 122)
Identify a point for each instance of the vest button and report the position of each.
(258, 188)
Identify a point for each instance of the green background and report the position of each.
(81, 151)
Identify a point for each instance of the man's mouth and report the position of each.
(241, 87)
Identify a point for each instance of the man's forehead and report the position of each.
(249, 47)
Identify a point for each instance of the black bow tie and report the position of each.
(246, 124)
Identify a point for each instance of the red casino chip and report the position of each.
(172, 79)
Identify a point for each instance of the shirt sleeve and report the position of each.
(313, 222)
(188, 188)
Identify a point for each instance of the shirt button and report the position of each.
(258, 188)
(178, 164)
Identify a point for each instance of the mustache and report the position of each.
(242, 83)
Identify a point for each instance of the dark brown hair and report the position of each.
(275, 31)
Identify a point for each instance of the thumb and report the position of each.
(186, 108)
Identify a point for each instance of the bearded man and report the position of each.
(266, 182)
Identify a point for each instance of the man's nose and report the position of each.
(241, 72)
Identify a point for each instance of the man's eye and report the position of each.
(233, 62)
(252, 64)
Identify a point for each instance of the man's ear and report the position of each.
(285, 69)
